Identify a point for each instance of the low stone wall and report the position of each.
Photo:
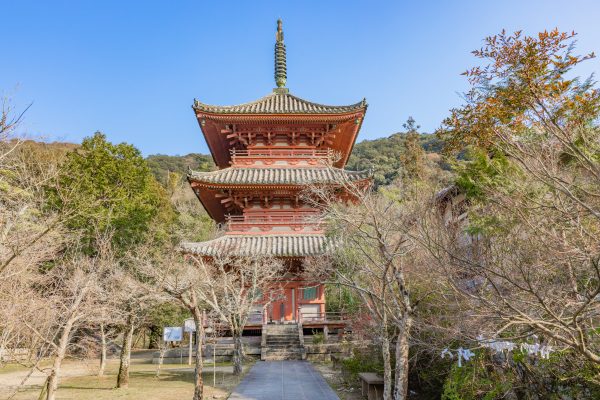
(324, 351)
(10, 355)
(222, 352)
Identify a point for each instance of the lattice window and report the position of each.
(309, 293)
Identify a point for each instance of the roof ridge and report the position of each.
(248, 103)
(360, 103)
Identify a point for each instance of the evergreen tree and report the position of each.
(412, 159)
(111, 189)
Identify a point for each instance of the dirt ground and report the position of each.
(334, 378)
(79, 381)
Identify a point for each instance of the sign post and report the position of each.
(209, 330)
(189, 326)
(190, 351)
(172, 334)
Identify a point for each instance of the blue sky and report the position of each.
(131, 69)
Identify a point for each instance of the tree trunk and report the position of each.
(402, 347)
(161, 356)
(238, 353)
(387, 362)
(123, 377)
(198, 382)
(154, 337)
(102, 350)
(61, 350)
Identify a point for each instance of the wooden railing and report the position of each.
(307, 317)
(275, 217)
(281, 153)
(292, 219)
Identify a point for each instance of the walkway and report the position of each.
(283, 380)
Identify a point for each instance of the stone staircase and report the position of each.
(282, 342)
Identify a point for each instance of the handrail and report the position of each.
(300, 153)
(303, 217)
(319, 316)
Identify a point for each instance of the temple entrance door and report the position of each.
(282, 311)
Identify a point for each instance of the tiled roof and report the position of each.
(279, 102)
(266, 245)
(278, 176)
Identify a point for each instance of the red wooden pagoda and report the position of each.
(267, 151)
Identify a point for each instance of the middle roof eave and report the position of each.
(277, 176)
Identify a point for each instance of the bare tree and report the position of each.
(168, 273)
(134, 301)
(52, 307)
(30, 233)
(232, 286)
(528, 256)
(9, 122)
(229, 286)
(376, 256)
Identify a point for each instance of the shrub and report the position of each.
(367, 359)
(318, 337)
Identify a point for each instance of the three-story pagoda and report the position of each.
(267, 152)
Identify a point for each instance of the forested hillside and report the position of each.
(383, 155)
(161, 164)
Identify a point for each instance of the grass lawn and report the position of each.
(175, 382)
(6, 368)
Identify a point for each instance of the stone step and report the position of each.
(280, 341)
(295, 335)
(284, 342)
(282, 357)
(282, 351)
(283, 329)
(296, 342)
(283, 346)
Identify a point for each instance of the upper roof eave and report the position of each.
(278, 103)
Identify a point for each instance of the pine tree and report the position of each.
(412, 159)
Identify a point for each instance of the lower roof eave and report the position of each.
(288, 246)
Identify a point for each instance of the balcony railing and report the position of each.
(267, 221)
(281, 153)
(276, 217)
(308, 317)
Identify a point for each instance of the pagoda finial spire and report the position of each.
(280, 62)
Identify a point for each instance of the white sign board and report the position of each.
(189, 325)
(172, 334)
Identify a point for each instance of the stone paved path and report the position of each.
(283, 380)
